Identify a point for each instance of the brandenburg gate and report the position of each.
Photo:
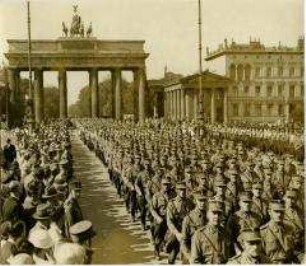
(80, 53)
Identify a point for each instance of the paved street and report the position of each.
(117, 241)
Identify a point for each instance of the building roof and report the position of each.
(253, 47)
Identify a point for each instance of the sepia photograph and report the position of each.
(152, 132)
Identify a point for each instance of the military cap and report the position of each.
(277, 205)
(232, 171)
(80, 227)
(165, 181)
(250, 236)
(63, 162)
(291, 194)
(199, 196)
(215, 205)
(246, 197)
(257, 185)
(220, 183)
(181, 186)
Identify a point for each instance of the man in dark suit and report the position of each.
(12, 209)
(9, 152)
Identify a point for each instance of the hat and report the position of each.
(181, 186)
(220, 183)
(40, 238)
(291, 194)
(42, 212)
(199, 196)
(21, 259)
(69, 253)
(63, 162)
(277, 205)
(250, 236)
(257, 186)
(50, 192)
(165, 181)
(246, 197)
(215, 205)
(14, 186)
(232, 171)
(9, 175)
(80, 227)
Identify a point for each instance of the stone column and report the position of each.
(287, 112)
(183, 104)
(94, 92)
(178, 104)
(212, 107)
(135, 94)
(165, 104)
(62, 83)
(12, 84)
(38, 95)
(174, 104)
(225, 106)
(141, 95)
(118, 94)
(171, 105)
(113, 94)
(195, 104)
(155, 108)
(188, 102)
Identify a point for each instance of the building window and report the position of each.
(280, 71)
(269, 91)
(240, 72)
(302, 90)
(232, 71)
(235, 109)
(235, 90)
(257, 72)
(246, 90)
(247, 72)
(269, 72)
(280, 110)
(270, 109)
(291, 71)
(258, 109)
(302, 71)
(291, 91)
(257, 91)
(247, 109)
(280, 90)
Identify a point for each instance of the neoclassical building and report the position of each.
(181, 97)
(268, 81)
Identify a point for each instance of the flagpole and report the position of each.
(200, 107)
(30, 112)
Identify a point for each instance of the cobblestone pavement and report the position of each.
(118, 241)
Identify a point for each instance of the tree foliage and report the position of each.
(82, 108)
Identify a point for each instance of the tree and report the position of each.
(82, 108)
(51, 102)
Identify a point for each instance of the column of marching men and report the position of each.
(41, 221)
(210, 201)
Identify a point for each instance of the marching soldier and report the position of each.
(252, 252)
(193, 221)
(277, 236)
(159, 211)
(209, 243)
(176, 211)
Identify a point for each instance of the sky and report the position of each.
(169, 28)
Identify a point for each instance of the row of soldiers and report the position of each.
(211, 200)
(40, 219)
